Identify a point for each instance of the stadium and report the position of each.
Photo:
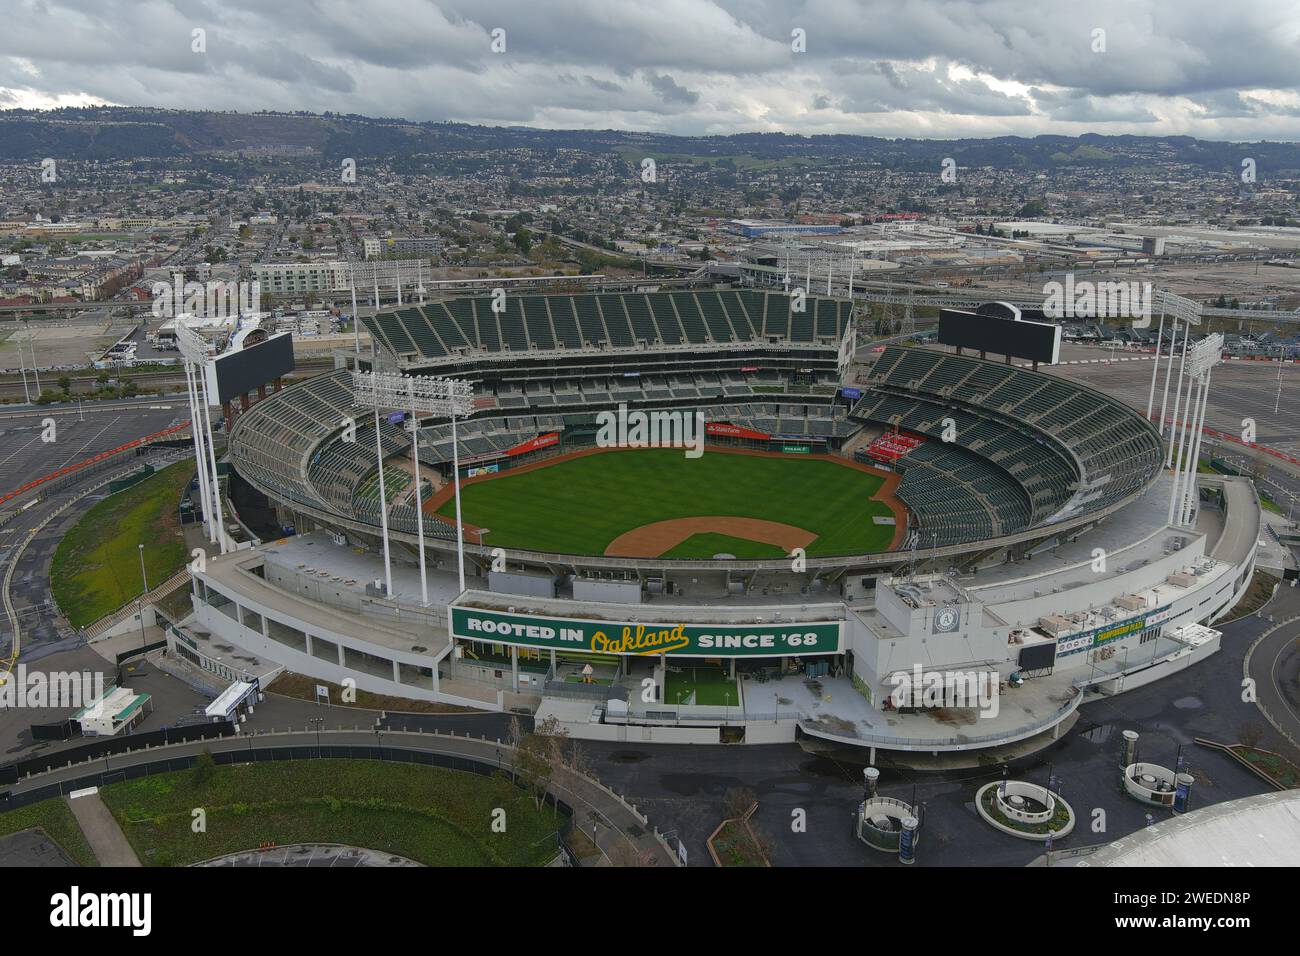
(859, 517)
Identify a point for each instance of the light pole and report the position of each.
(31, 343)
(439, 397)
(143, 576)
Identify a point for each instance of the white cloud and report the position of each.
(939, 68)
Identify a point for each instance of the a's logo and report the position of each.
(76, 909)
(641, 641)
(946, 621)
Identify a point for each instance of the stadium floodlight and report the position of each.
(194, 351)
(1179, 309)
(440, 397)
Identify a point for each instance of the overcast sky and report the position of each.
(1219, 69)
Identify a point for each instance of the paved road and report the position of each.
(1274, 666)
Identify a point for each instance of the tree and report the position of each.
(534, 766)
(65, 383)
(204, 768)
(523, 240)
(514, 736)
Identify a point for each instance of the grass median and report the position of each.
(96, 568)
(428, 814)
(56, 820)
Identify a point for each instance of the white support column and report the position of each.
(200, 455)
(1160, 336)
(1169, 366)
(1177, 462)
(460, 528)
(1192, 496)
(419, 501)
(212, 458)
(356, 320)
(1178, 394)
(383, 495)
(31, 342)
(1189, 466)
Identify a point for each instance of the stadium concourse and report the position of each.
(1050, 552)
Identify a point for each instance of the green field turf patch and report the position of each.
(581, 505)
(428, 814)
(710, 685)
(96, 568)
(708, 544)
(56, 819)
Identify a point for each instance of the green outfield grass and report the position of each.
(581, 505)
(96, 568)
(710, 685)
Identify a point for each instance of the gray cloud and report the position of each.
(668, 89)
(924, 68)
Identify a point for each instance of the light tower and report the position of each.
(194, 352)
(440, 397)
(1204, 355)
(1180, 310)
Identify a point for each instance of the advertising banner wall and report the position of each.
(618, 637)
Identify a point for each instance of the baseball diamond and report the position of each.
(647, 502)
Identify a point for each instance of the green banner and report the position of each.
(619, 637)
(797, 449)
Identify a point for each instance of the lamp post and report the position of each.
(438, 397)
(143, 576)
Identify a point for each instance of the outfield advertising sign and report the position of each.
(625, 637)
(1112, 632)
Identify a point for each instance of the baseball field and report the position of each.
(657, 502)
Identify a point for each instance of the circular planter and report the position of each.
(1024, 807)
(1150, 783)
(883, 838)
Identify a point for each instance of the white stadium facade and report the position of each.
(1057, 547)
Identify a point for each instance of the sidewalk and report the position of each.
(105, 837)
